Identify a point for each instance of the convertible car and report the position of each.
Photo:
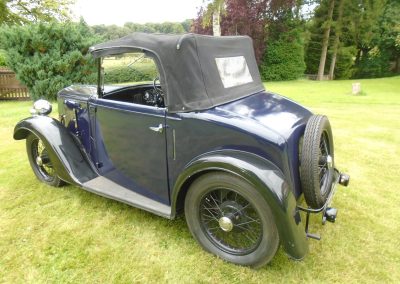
(182, 123)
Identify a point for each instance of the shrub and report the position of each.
(2, 58)
(124, 74)
(283, 58)
(374, 64)
(345, 62)
(48, 57)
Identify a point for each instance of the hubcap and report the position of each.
(329, 161)
(225, 224)
(42, 160)
(230, 221)
(39, 161)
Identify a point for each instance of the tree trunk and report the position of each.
(325, 41)
(216, 22)
(338, 32)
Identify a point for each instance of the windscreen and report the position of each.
(128, 69)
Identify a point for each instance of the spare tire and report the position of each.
(317, 161)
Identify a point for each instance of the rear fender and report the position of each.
(267, 179)
(64, 151)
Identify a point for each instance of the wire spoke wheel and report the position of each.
(324, 162)
(316, 161)
(40, 161)
(230, 221)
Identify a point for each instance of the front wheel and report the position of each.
(229, 218)
(40, 161)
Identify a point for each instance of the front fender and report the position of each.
(68, 160)
(267, 179)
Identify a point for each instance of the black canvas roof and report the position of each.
(189, 74)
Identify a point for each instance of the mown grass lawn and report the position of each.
(69, 235)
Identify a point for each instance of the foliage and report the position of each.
(313, 45)
(369, 30)
(48, 57)
(375, 64)
(198, 26)
(25, 11)
(388, 36)
(375, 29)
(114, 31)
(212, 6)
(124, 74)
(344, 63)
(2, 58)
(284, 57)
(246, 17)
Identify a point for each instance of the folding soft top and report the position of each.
(197, 72)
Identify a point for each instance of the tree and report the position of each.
(198, 26)
(25, 11)
(49, 56)
(186, 24)
(284, 55)
(213, 14)
(284, 58)
(338, 31)
(388, 35)
(325, 40)
(362, 38)
(110, 32)
(246, 17)
(313, 40)
(370, 32)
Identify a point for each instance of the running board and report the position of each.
(107, 188)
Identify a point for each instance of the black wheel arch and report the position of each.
(68, 160)
(263, 176)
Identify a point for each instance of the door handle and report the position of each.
(159, 128)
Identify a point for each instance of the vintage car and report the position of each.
(203, 138)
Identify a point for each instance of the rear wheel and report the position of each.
(40, 161)
(317, 161)
(229, 218)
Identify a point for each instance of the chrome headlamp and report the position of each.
(41, 107)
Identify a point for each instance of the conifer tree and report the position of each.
(48, 57)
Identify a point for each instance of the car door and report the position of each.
(130, 146)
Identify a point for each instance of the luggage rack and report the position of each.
(328, 213)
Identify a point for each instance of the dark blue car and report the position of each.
(182, 123)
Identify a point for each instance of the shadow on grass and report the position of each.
(176, 229)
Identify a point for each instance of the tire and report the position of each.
(42, 168)
(247, 236)
(317, 161)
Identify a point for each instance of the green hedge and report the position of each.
(125, 74)
(283, 58)
(48, 57)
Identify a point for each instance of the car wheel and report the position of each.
(40, 161)
(230, 219)
(317, 161)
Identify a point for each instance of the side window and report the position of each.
(133, 77)
(129, 69)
